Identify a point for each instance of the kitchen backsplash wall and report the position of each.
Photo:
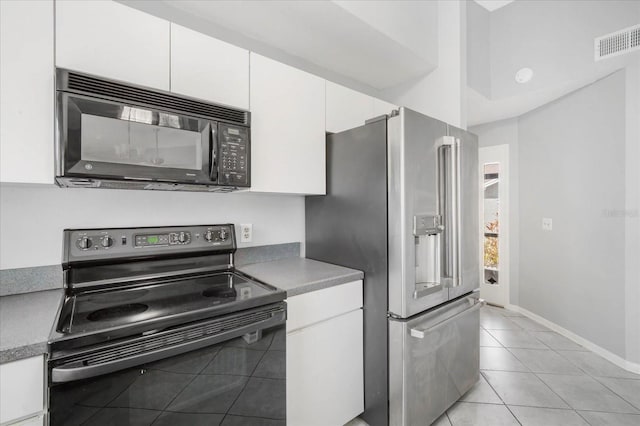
(33, 216)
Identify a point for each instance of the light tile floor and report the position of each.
(532, 376)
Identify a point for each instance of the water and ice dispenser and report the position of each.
(427, 230)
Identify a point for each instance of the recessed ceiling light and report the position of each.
(524, 75)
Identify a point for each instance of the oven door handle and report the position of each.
(77, 371)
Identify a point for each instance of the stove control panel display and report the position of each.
(169, 239)
(123, 242)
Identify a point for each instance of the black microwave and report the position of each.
(112, 134)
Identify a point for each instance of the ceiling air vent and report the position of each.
(618, 43)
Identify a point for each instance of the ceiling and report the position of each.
(554, 39)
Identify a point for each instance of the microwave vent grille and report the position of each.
(165, 101)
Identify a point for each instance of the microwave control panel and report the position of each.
(233, 157)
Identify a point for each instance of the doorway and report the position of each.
(494, 223)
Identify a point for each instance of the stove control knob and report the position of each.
(84, 243)
(182, 237)
(223, 234)
(106, 241)
(208, 235)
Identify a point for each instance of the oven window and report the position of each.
(141, 138)
(230, 383)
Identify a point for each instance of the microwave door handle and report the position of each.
(213, 156)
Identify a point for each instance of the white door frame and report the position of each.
(496, 295)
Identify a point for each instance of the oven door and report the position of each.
(239, 380)
(111, 140)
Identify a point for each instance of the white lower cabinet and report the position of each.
(325, 383)
(22, 391)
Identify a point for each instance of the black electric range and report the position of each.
(139, 298)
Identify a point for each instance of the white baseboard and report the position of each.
(608, 355)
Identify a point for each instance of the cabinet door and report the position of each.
(287, 129)
(21, 388)
(112, 40)
(325, 372)
(347, 108)
(209, 69)
(27, 88)
(313, 307)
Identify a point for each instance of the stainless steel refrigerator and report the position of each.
(402, 206)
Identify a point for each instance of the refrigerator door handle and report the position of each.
(449, 202)
(420, 333)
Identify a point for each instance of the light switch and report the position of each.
(547, 224)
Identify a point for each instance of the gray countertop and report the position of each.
(297, 275)
(25, 323)
(26, 319)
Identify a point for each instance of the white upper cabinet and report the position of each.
(112, 40)
(346, 108)
(287, 129)
(206, 68)
(26, 91)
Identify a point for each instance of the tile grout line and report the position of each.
(539, 379)
(556, 351)
(616, 393)
(592, 378)
(543, 382)
(499, 396)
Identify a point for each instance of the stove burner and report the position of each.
(220, 293)
(115, 312)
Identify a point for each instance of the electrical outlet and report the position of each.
(246, 232)
(547, 224)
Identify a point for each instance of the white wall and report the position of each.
(576, 160)
(32, 217)
(632, 212)
(572, 170)
(441, 93)
(478, 49)
(505, 132)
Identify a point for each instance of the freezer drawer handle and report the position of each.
(421, 333)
